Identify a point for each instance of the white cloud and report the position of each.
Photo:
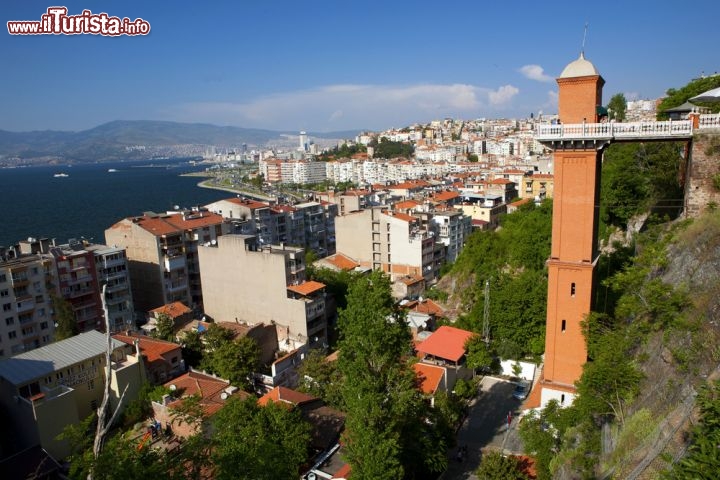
(535, 72)
(502, 95)
(345, 106)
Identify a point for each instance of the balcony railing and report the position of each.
(615, 130)
(709, 121)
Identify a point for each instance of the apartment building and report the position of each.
(451, 228)
(111, 267)
(26, 282)
(162, 254)
(393, 242)
(46, 389)
(244, 281)
(538, 186)
(483, 210)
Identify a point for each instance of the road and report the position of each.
(486, 427)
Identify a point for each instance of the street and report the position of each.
(486, 427)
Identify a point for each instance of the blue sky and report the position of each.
(338, 65)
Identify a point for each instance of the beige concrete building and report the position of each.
(162, 254)
(390, 241)
(243, 282)
(46, 389)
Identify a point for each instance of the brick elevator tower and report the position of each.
(573, 254)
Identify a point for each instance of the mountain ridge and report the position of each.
(116, 140)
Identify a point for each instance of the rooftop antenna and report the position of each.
(582, 50)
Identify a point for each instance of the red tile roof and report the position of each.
(446, 342)
(426, 306)
(401, 216)
(406, 205)
(152, 348)
(343, 473)
(445, 196)
(286, 395)
(207, 387)
(173, 310)
(251, 204)
(342, 262)
(160, 225)
(430, 377)
(306, 288)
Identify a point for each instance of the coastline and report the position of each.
(205, 184)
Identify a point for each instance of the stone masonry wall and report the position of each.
(704, 165)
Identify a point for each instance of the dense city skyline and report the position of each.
(327, 66)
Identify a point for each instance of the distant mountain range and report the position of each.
(117, 141)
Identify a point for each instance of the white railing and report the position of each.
(612, 130)
(711, 120)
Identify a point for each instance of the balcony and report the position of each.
(79, 292)
(74, 280)
(174, 262)
(25, 306)
(176, 286)
(113, 262)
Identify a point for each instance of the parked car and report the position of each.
(522, 389)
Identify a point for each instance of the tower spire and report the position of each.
(582, 49)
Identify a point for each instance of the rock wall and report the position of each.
(704, 164)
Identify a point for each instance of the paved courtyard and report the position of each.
(486, 427)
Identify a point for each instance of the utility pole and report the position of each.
(486, 314)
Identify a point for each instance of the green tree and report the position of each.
(703, 458)
(496, 466)
(192, 348)
(65, 323)
(215, 336)
(262, 443)
(617, 107)
(235, 361)
(478, 353)
(164, 327)
(321, 378)
(384, 437)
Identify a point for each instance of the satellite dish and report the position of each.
(173, 387)
(213, 242)
(223, 396)
(311, 476)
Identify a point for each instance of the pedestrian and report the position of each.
(509, 419)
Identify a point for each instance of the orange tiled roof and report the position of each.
(286, 395)
(500, 181)
(152, 348)
(343, 473)
(251, 204)
(306, 288)
(207, 387)
(173, 310)
(406, 205)
(402, 216)
(430, 377)
(445, 196)
(166, 224)
(446, 342)
(522, 201)
(426, 306)
(342, 262)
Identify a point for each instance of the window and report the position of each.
(93, 405)
(174, 360)
(9, 321)
(3, 278)
(562, 328)
(4, 293)
(44, 326)
(572, 289)
(562, 398)
(12, 334)
(91, 384)
(7, 307)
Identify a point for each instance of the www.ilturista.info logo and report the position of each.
(57, 22)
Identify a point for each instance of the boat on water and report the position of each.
(112, 170)
(61, 175)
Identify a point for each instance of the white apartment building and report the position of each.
(26, 283)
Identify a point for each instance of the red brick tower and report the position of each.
(574, 235)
